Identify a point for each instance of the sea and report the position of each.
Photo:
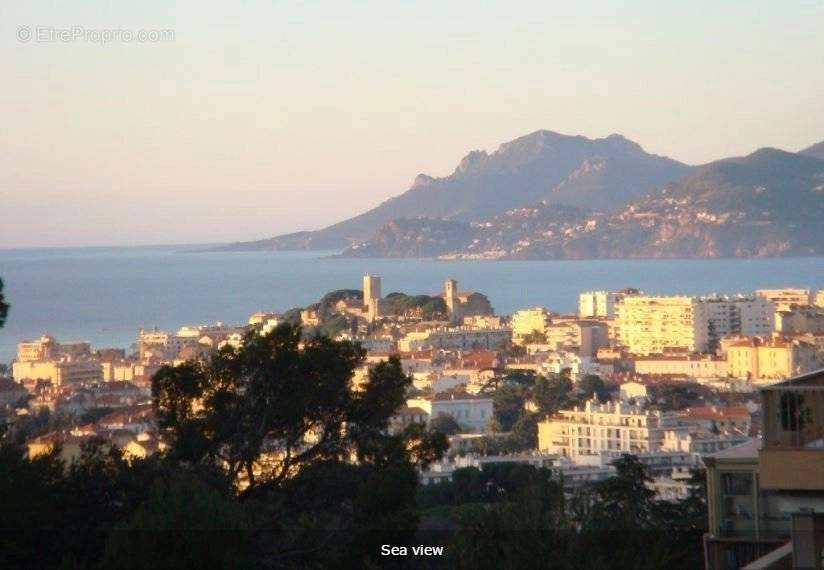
(105, 294)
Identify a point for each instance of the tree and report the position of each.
(625, 498)
(445, 424)
(535, 337)
(551, 394)
(274, 390)
(4, 307)
(591, 385)
(282, 418)
(525, 432)
(183, 524)
(509, 405)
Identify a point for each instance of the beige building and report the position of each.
(47, 348)
(688, 366)
(771, 358)
(461, 304)
(58, 372)
(786, 297)
(800, 319)
(760, 493)
(527, 321)
(654, 325)
(611, 426)
(461, 338)
(585, 337)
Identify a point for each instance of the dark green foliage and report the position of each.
(328, 301)
(516, 516)
(552, 394)
(591, 385)
(422, 306)
(4, 307)
(509, 404)
(184, 523)
(292, 316)
(54, 514)
(445, 424)
(333, 325)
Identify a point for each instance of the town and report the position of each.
(684, 383)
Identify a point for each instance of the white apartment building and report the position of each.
(597, 304)
(463, 338)
(732, 315)
(603, 427)
(471, 412)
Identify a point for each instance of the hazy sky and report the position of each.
(266, 117)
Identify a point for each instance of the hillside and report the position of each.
(768, 203)
(816, 151)
(544, 166)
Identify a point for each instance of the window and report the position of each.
(737, 483)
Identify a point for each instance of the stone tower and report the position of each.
(372, 295)
(450, 296)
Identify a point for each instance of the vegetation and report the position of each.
(512, 515)
(222, 494)
(4, 307)
(422, 306)
(258, 474)
(445, 424)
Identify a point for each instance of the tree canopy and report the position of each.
(4, 307)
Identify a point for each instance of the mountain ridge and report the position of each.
(549, 195)
(767, 203)
(541, 166)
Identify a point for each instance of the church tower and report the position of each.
(450, 295)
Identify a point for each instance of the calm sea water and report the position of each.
(104, 295)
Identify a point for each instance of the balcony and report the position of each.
(792, 454)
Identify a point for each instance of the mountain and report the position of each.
(768, 203)
(600, 174)
(816, 151)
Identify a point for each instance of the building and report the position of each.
(597, 304)
(471, 412)
(47, 348)
(372, 296)
(58, 372)
(771, 358)
(688, 366)
(819, 298)
(462, 304)
(407, 416)
(528, 321)
(459, 338)
(162, 344)
(603, 427)
(733, 315)
(800, 319)
(761, 495)
(655, 325)
(583, 336)
(718, 418)
(786, 297)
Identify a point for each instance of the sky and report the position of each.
(259, 118)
